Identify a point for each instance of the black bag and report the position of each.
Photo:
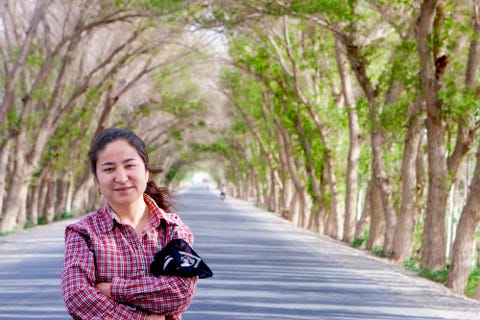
(179, 259)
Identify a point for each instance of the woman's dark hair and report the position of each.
(160, 195)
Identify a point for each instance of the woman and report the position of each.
(106, 272)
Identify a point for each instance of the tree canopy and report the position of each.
(356, 119)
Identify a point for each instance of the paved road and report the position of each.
(30, 267)
(263, 269)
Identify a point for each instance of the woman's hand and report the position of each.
(155, 317)
(105, 288)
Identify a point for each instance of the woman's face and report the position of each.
(121, 174)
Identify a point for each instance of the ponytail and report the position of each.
(161, 196)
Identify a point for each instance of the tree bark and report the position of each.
(310, 167)
(293, 73)
(18, 188)
(364, 220)
(297, 203)
(434, 240)
(465, 239)
(406, 219)
(376, 235)
(354, 144)
(376, 142)
(463, 246)
(4, 154)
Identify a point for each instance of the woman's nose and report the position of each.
(121, 176)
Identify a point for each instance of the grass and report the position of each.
(472, 283)
(439, 276)
(411, 265)
(15, 230)
(360, 241)
(41, 221)
(378, 251)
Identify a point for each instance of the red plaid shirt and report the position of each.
(99, 248)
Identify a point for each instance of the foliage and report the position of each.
(13, 231)
(172, 172)
(66, 215)
(440, 276)
(29, 224)
(411, 264)
(472, 284)
(378, 251)
(358, 242)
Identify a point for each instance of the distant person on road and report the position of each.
(222, 192)
(106, 272)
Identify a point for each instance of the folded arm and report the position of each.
(165, 294)
(82, 299)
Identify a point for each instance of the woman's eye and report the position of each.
(108, 170)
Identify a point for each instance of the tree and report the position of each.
(66, 77)
(463, 246)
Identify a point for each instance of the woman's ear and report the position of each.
(98, 186)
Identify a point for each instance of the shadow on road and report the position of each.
(264, 268)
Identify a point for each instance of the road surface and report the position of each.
(264, 268)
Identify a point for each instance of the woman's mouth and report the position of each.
(122, 189)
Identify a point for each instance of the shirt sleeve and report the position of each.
(82, 299)
(163, 295)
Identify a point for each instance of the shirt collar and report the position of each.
(107, 218)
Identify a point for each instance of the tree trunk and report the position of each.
(285, 144)
(477, 248)
(463, 246)
(61, 196)
(319, 214)
(15, 201)
(294, 72)
(333, 222)
(466, 135)
(377, 217)
(43, 195)
(310, 166)
(34, 197)
(434, 241)
(50, 201)
(465, 238)
(364, 220)
(354, 144)
(4, 154)
(294, 208)
(17, 190)
(434, 248)
(70, 188)
(297, 203)
(406, 220)
(37, 195)
(376, 141)
(81, 201)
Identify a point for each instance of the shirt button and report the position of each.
(142, 272)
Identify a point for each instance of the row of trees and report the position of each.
(370, 105)
(350, 118)
(72, 68)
